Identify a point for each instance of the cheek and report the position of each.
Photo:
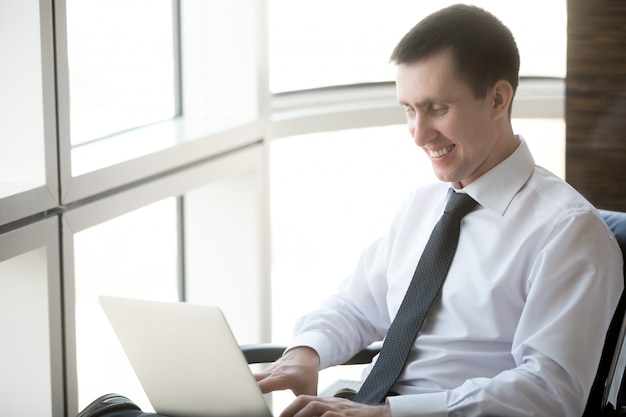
(469, 130)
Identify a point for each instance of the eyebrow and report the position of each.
(429, 102)
(420, 104)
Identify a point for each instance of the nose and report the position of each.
(421, 130)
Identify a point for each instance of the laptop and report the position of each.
(186, 358)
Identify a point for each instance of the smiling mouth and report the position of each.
(441, 152)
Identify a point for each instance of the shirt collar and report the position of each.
(496, 188)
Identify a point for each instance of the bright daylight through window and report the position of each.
(326, 42)
(121, 63)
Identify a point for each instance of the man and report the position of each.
(518, 326)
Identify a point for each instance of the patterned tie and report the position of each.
(427, 280)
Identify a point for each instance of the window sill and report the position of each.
(136, 155)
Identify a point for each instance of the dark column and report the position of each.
(595, 110)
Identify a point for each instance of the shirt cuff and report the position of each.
(415, 405)
(316, 341)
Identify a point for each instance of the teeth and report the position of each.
(440, 153)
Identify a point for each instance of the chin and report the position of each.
(445, 178)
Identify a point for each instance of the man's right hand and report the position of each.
(296, 370)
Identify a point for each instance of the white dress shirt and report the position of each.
(520, 323)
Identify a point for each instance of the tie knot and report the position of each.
(459, 205)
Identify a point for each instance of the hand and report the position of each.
(297, 370)
(309, 406)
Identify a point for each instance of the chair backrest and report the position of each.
(606, 392)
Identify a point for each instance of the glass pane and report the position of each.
(326, 42)
(222, 252)
(134, 255)
(22, 163)
(546, 140)
(121, 64)
(24, 326)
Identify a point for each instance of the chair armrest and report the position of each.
(266, 353)
(262, 353)
(365, 356)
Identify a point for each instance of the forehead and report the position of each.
(433, 78)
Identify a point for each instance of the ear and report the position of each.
(501, 98)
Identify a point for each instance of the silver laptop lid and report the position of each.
(186, 358)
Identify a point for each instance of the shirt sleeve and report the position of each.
(572, 292)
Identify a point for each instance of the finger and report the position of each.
(274, 382)
(269, 384)
(297, 405)
(310, 406)
(260, 376)
(277, 382)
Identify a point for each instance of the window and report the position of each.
(121, 65)
(133, 255)
(324, 43)
(22, 164)
(193, 235)
(153, 85)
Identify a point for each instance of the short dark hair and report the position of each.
(483, 48)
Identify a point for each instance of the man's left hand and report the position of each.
(311, 406)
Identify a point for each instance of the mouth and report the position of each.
(441, 152)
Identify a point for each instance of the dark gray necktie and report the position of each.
(427, 280)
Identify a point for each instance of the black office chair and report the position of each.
(608, 393)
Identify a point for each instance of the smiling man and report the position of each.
(517, 327)
(463, 135)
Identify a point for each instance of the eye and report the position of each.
(409, 110)
(438, 109)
